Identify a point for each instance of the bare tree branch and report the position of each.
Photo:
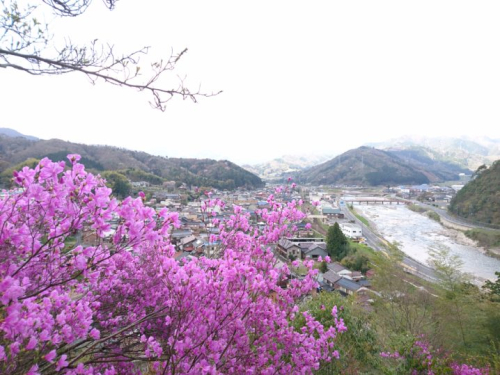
(73, 8)
(23, 46)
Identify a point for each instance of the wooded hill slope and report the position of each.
(434, 168)
(479, 199)
(220, 174)
(370, 166)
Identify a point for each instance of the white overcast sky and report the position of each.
(299, 77)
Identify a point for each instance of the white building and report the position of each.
(351, 230)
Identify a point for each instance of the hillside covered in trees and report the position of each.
(479, 200)
(433, 167)
(370, 166)
(222, 174)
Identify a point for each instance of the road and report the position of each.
(451, 218)
(377, 243)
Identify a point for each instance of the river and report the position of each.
(416, 234)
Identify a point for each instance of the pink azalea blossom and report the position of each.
(61, 363)
(129, 294)
(50, 356)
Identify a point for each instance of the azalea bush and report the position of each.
(89, 284)
(357, 347)
(417, 357)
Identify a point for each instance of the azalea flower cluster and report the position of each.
(80, 296)
(421, 359)
(468, 370)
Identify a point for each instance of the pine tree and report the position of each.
(336, 242)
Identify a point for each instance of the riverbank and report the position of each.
(417, 235)
(486, 240)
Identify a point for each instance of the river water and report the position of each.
(416, 234)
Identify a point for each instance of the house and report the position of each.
(365, 283)
(420, 188)
(404, 190)
(263, 204)
(169, 185)
(179, 234)
(440, 197)
(188, 222)
(313, 250)
(160, 195)
(140, 184)
(331, 212)
(330, 278)
(302, 231)
(351, 230)
(173, 197)
(288, 249)
(356, 276)
(346, 286)
(187, 243)
(339, 269)
(370, 273)
(211, 249)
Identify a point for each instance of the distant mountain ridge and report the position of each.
(467, 152)
(371, 166)
(220, 174)
(14, 133)
(279, 168)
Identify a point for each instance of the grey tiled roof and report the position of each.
(347, 284)
(336, 267)
(331, 277)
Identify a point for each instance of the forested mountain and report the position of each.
(479, 200)
(433, 168)
(370, 166)
(202, 172)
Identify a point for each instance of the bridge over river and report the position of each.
(374, 200)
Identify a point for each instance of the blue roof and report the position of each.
(329, 210)
(364, 282)
(421, 187)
